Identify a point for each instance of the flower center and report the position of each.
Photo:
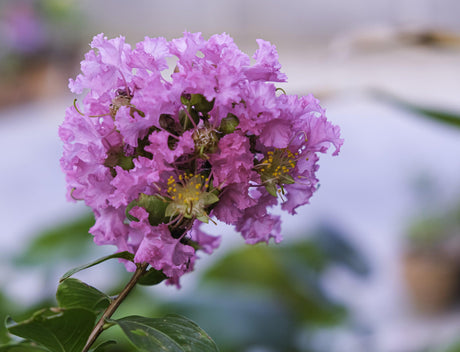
(205, 139)
(190, 197)
(123, 98)
(275, 169)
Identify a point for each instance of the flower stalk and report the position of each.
(99, 327)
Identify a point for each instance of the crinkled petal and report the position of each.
(267, 67)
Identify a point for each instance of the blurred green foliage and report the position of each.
(67, 242)
(443, 116)
(454, 347)
(252, 296)
(67, 326)
(268, 296)
(435, 229)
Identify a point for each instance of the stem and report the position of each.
(140, 270)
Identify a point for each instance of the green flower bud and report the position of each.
(229, 124)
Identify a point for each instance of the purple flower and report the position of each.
(22, 28)
(233, 200)
(159, 248)
(156, 156)
(267, 67)
(233, 162)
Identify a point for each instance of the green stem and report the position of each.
(141, 269)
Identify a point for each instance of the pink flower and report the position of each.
(233, 163)
(161, 250)
(233, 200)
(207, 242)
(267, 67)
(105, 68)
(156, 156)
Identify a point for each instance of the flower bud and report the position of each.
(229, 124)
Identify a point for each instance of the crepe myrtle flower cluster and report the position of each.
(157, 152)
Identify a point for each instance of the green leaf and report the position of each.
(22, 347)
(73, 293)
(62, 330)
(172, 333)
(102, 347)
(122, 255)
(152, 277)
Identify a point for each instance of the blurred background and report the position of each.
(372, 264)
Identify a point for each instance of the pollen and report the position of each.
(277, 163)
(275, 169)
(190, 196)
